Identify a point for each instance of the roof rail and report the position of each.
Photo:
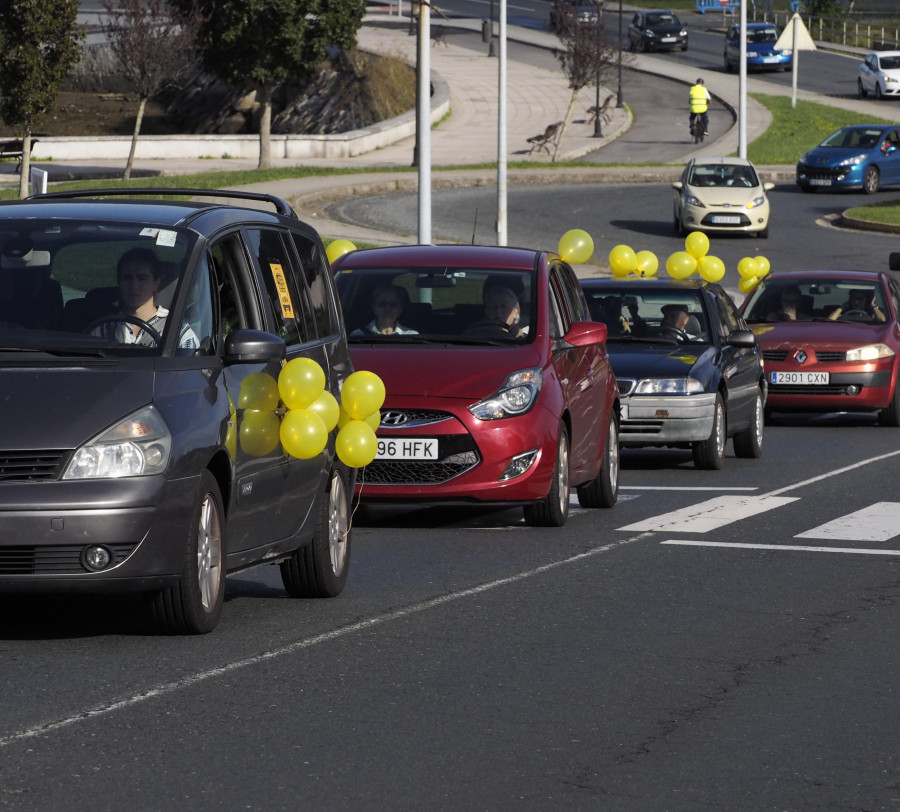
(281, 206)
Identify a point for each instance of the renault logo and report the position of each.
(393, 418)
(800, 357)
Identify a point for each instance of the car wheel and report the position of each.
(554, 510)
(764, 234)
(871, 180)
(748, 443)
(684, 47)
(603, 491)
(860, 89)
(194, 604)
(890, 415)
(709, 453)
(319, 569)
(878, 94)
(680, 230)
(727, 65)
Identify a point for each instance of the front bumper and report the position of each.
(666, 420)
(714, 220)
(825, 177)
(860, 390)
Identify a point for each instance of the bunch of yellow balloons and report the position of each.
(310, 414)
(576, 246)
(338, 248)
(695, 259)
(623, 260)
(751, 269)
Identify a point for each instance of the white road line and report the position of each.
(710, 515)
(193, 679)
(835, 472)
(684, 488)
(779, 547)
(878, 522)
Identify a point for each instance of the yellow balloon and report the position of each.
(362, 394)
(258, 434)
(337, 249)
(747, 283)
(747, 267)
(303, 434)
(259, 391)
(576, 246)
(763, 267)
(622, 261)
(326, 406)
(681, 265)
(710, 268)
(374, 420)
(647, 263)
(697, 244)
(356, 444)
(300, 382)
(343, 417)
(231, 439)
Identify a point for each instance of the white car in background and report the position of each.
(879, 74)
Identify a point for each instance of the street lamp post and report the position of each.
(619, 90)
(598, 128)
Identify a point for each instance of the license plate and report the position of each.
(726, 219)
(820, 181)
(770, 59)
(802, 378)
(668, 39)
(414, 448)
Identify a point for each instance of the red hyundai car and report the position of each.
(830, 341)
(499, 387)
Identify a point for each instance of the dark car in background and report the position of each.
(657, 30)
(565, 15)
(860, 156)
(682, 387)
(143, 455)
(831, 340)
(761, 51)
(499, 388)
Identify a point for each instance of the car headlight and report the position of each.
(691, 200)
(753, 53)
(139, 445)
(517, 395)
(856, 159)
(682, 33)
(649, 33)
(756, 202)
(870, 352)
(803, 158)
(669, 386)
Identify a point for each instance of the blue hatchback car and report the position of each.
(861, 156)
(761, 51)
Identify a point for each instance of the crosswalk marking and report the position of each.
(779, 547)
(711, 514)
(878, 522)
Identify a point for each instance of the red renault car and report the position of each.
(830, 341)
(499, 387)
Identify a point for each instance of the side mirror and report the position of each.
(742, 338)
(586, 333)
(768, 186)
(678, 185)
(253, 346)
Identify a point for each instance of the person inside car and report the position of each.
(791, 300)
(388, 302)
(859, 301)
(739, 177)
(674, 320)
(502, 314)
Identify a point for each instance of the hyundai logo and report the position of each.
(393, 418)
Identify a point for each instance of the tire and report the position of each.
(194, 604)
(603, 491)
(871, 180)
(764, 234)
(878, 94)
(554, 510)
(890, 415)
(748, 443)
(319, 569)
(860, 90)
(680, 230)
(709, 453)
(727, 65)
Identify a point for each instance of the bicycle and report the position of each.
(697, 132)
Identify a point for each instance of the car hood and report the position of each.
(47, 408)
(444, 371)
(784, 335)
(664, 30)
(726, 196)
(831, 156)
(642, 360)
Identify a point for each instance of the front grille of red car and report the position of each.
(408, 418)
(830, 390)
(830, 356)
(61, 559)
(418, 472)
(31, 466)
(774, 355)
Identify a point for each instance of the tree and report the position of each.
(154, 45)
(39, 45)
(259, 44)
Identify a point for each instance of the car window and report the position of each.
(631, 311)
(728, 316)
(573, 298)
(276, 267)
(315, 273)
(826, 299)
(237, 297)
(199, 310)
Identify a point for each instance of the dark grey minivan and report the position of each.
(137, 453)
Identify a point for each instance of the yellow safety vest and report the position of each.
(698, 99)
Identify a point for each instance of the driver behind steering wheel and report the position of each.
(501, 306)
(859, 301)
(138, 275)
(674, 320)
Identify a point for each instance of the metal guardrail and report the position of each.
(840, 30)
(727, 7)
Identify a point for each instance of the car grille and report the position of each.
(418, 472)
(642, 426)
(827, 390)
(408, 418)
(626, 385)
(823, 172)
(824, 356)
(64, 559)
(31, 466)
(708, 222)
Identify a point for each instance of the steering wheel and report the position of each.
(855, 314)
(489, 327)
(673, 332)
(116, 317)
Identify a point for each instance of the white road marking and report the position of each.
(878, 522)
(685, 488)
(779, 547)
(710, 515)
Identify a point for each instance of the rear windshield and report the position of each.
(101, 286)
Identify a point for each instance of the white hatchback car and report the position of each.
(879, 74)
(719, 195)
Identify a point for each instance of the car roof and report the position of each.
(475, 256)
(647, 282)
(884, 53)
(725, 161)
(869, 276)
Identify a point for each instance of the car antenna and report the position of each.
(474, 225)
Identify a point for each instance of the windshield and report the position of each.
(889, 62)
(762, 35)
(82, 286)
(656, 314)
(851, 137)
(817, 299)
(447, 304)
(715, 175)
(662, 19)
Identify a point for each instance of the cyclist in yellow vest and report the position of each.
(700, 100)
